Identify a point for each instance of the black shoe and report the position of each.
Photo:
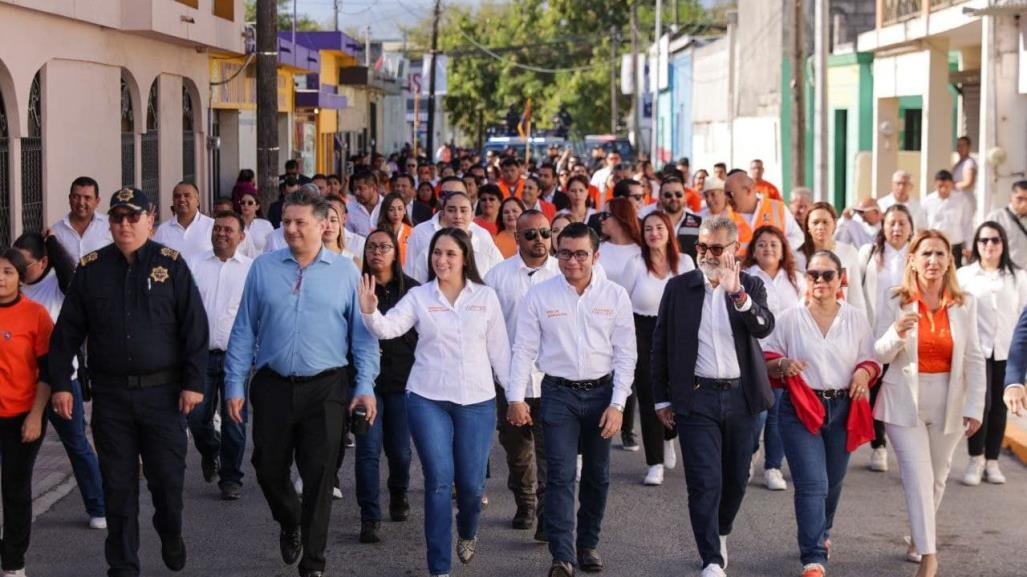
(172, 550)
(540, 531)
(230, 491)
(399, 506)
(210, 467)
(561, 569)
(350, 443)
(369, 531)
(628, 442)
(590, 561)
(524, 518)
(313, 574)
(291, 544)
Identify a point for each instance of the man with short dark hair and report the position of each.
(1013, 217)
(600, 176)
(579, 330)
(189, 230)
(551, 192)
(322, 183)
(762, 187)
(720, 171)
(510, 182)
(300, 387)
(287, 186)
(82, 230)
(220, 274)
(292, 170)
(952, 213)
(685, 223)
(964, 172)
(364, 206)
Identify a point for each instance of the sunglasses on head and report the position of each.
(713, 249)
(816, 275)
(533, 233)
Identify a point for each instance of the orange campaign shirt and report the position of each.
(693, 200)
(25, 328)
(934, 337)
(767, 190)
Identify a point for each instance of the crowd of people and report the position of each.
(430, 304)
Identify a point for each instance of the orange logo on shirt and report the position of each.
(604, 312)
(476, 308)
(553, 313)
(438, 309)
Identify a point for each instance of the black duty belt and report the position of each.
(138, 381)
(581, 385)
(717, 384)
(300, 379)
(217, 352)
(832, 393)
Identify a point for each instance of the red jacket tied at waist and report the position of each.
(809, 409)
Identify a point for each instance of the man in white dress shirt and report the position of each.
(511, 280)
(579, 330)
(952, 213)
(189, 231)
(1013, 217)
(220, 275)
(83, 230)
(364, 204)
(901, 186)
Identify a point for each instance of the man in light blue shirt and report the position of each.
(298, 318)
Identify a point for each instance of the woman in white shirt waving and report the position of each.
(1000, 288)
(645, 277)
(770, 259)
(451, 408)
(830, 345)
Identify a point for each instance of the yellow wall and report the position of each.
(241, 92)
(328, 119)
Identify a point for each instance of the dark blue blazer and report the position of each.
(1016, 365)
(676, 342)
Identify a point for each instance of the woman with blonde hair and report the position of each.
(933, 392)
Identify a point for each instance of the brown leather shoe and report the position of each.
(590, 561)
(561, 569)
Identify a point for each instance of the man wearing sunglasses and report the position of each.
(511, 280)
(673, 196)
(135, 303)
(710, 380)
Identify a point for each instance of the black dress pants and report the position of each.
(299, 419)
(16, 462)
(653, 431)
(129, 424)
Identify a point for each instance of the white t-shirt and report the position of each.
(615, 259)
(645, 288)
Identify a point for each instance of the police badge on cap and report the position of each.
(130, 197)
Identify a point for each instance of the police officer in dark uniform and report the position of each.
(136, 306)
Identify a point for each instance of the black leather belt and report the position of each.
(832, 393)
(138, 381)
(717, 384)
(581, 385)
(299, 379)
(217, 352)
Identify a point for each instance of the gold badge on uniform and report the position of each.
(159, 274)
(125, 194)
(170, 253)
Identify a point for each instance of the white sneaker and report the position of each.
(774, 480)
(336, 493)
(879, 460)
(654, 477)
(98, 522)
(297, 484)
(18, 573)
(713, 570)
(993, 474)
(723, 550)
(670, 456)
(974, 471)
(577, 474)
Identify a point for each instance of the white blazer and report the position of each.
(897, 399)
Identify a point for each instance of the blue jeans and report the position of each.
(570, 420)
(818, 464)
(84, 464)
(230, 444)
(453, 443)
(775, 451)
(391, 432)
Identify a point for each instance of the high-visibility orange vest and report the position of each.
(507, 193)
(767, 190)
(768, 213)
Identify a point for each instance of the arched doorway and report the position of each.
(151, 150)
(128, 142)
(32, 162)
(5, 178)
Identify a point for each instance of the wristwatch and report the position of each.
(617, 406)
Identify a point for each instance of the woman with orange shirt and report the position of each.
(506, 240)
(489, 199)
(933, 391)
(393, 217)
(26, 328)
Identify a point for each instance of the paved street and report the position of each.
(646, 531)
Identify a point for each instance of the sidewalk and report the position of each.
(52, 478)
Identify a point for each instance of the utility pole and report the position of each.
(798, 95)
(636, 89)
(677, 22)
(431, 80)
(820, 136)
(267, 100)
(335, 7)
(654, 80)
(614, 42)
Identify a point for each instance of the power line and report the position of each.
(515, 64)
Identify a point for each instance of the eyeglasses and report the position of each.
(383, 248)
(669, 194)
(579, 255)
(714, 249)
(248, 202)
(816, 275)
(120, 217)
(603, 216)
(985, 240)
(533, 233)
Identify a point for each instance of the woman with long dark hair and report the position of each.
(389, 430)
(819, 226)
(999, 287)
(622, 238)
(509, 211)
(577, 193)
(257, 229)
(490, 197)
(48, 272)
(426, 202)
(647, 276)
(394, 218)
(462, 343)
